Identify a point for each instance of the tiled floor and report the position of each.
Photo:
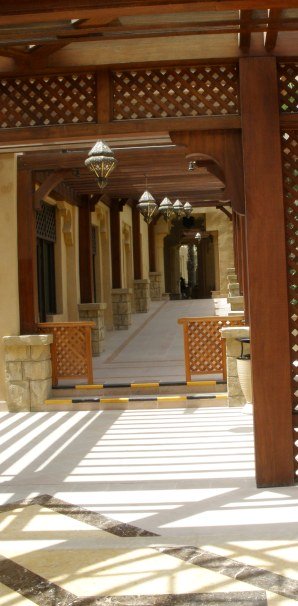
(152, 507)
(144, 508)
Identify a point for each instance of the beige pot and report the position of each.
(244, 375)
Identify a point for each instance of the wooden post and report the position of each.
(115, 244)
(137, 251)
(85, 252)
(266, 258)
(28, 289)
(151, 242)
(103, 97)
(235, 235)
(244, 271)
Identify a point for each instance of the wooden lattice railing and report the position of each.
(290, 184)
(71, 350)
(204, 349)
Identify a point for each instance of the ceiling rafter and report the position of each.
(245, 29)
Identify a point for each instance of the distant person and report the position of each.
(183, 288)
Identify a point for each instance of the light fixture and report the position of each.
(187, 209)
(166, 209)
(198, 237)
(147, 206)
(101, 162)
(178, 209)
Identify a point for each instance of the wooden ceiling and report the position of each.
(52, 32)
(49, 35)
(164, 167)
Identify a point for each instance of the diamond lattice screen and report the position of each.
(175, 92)
(290, 174)
(47, 100)
(205, 343)
(46, 222)
(288, 87)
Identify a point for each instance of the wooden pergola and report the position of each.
(214, 82)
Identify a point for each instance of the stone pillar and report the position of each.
(141, 296)
(121, 304)
(28, 371)
(94, 312)
(234, 289)
(236, 302)
(235, 395)
(155, 286)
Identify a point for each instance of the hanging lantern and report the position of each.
(178, 209)
(101, 162)
(187, 209)
(147, 206)
(198, 237)
(166, 209)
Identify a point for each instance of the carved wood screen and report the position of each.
(204, 349)
(175, 92)
(290, 178)
(47, 100)
(71, 349)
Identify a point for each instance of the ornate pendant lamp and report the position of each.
(187, 209)
(178, 209)
(101, 162)
(198, 237)
(166, 209)
(147, 206)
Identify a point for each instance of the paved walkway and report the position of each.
(152, 348)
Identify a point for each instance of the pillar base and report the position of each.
(94, 312)
(121, 305)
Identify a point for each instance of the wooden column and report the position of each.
(137, 251)
(28, 288)
(115, 244)
(151, 242)
(85, 252)
(244, 271)
(240, 253)
(235, 244)
(266, 259)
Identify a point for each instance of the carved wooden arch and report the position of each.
(225, 149)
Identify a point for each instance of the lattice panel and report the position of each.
(204, 343)
(46, 222)
(47, 100)
(288, 87)
(290, 178)
(175, 92)
(71, 350)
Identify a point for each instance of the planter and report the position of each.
(244, 375)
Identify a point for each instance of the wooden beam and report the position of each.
(104, 100)
(137, 249)
(85, 252)
(28, 290)
(274, 21)
(267, 273)
(115, 210)
(245, 29)
(48, 185)
(69, 133)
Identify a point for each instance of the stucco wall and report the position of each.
(9, 300)
(216, 220)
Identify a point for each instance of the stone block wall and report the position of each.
(28, 371)
(121, 305)
(141, 295)
(155, 286)
(94, 312)
(231, 334)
